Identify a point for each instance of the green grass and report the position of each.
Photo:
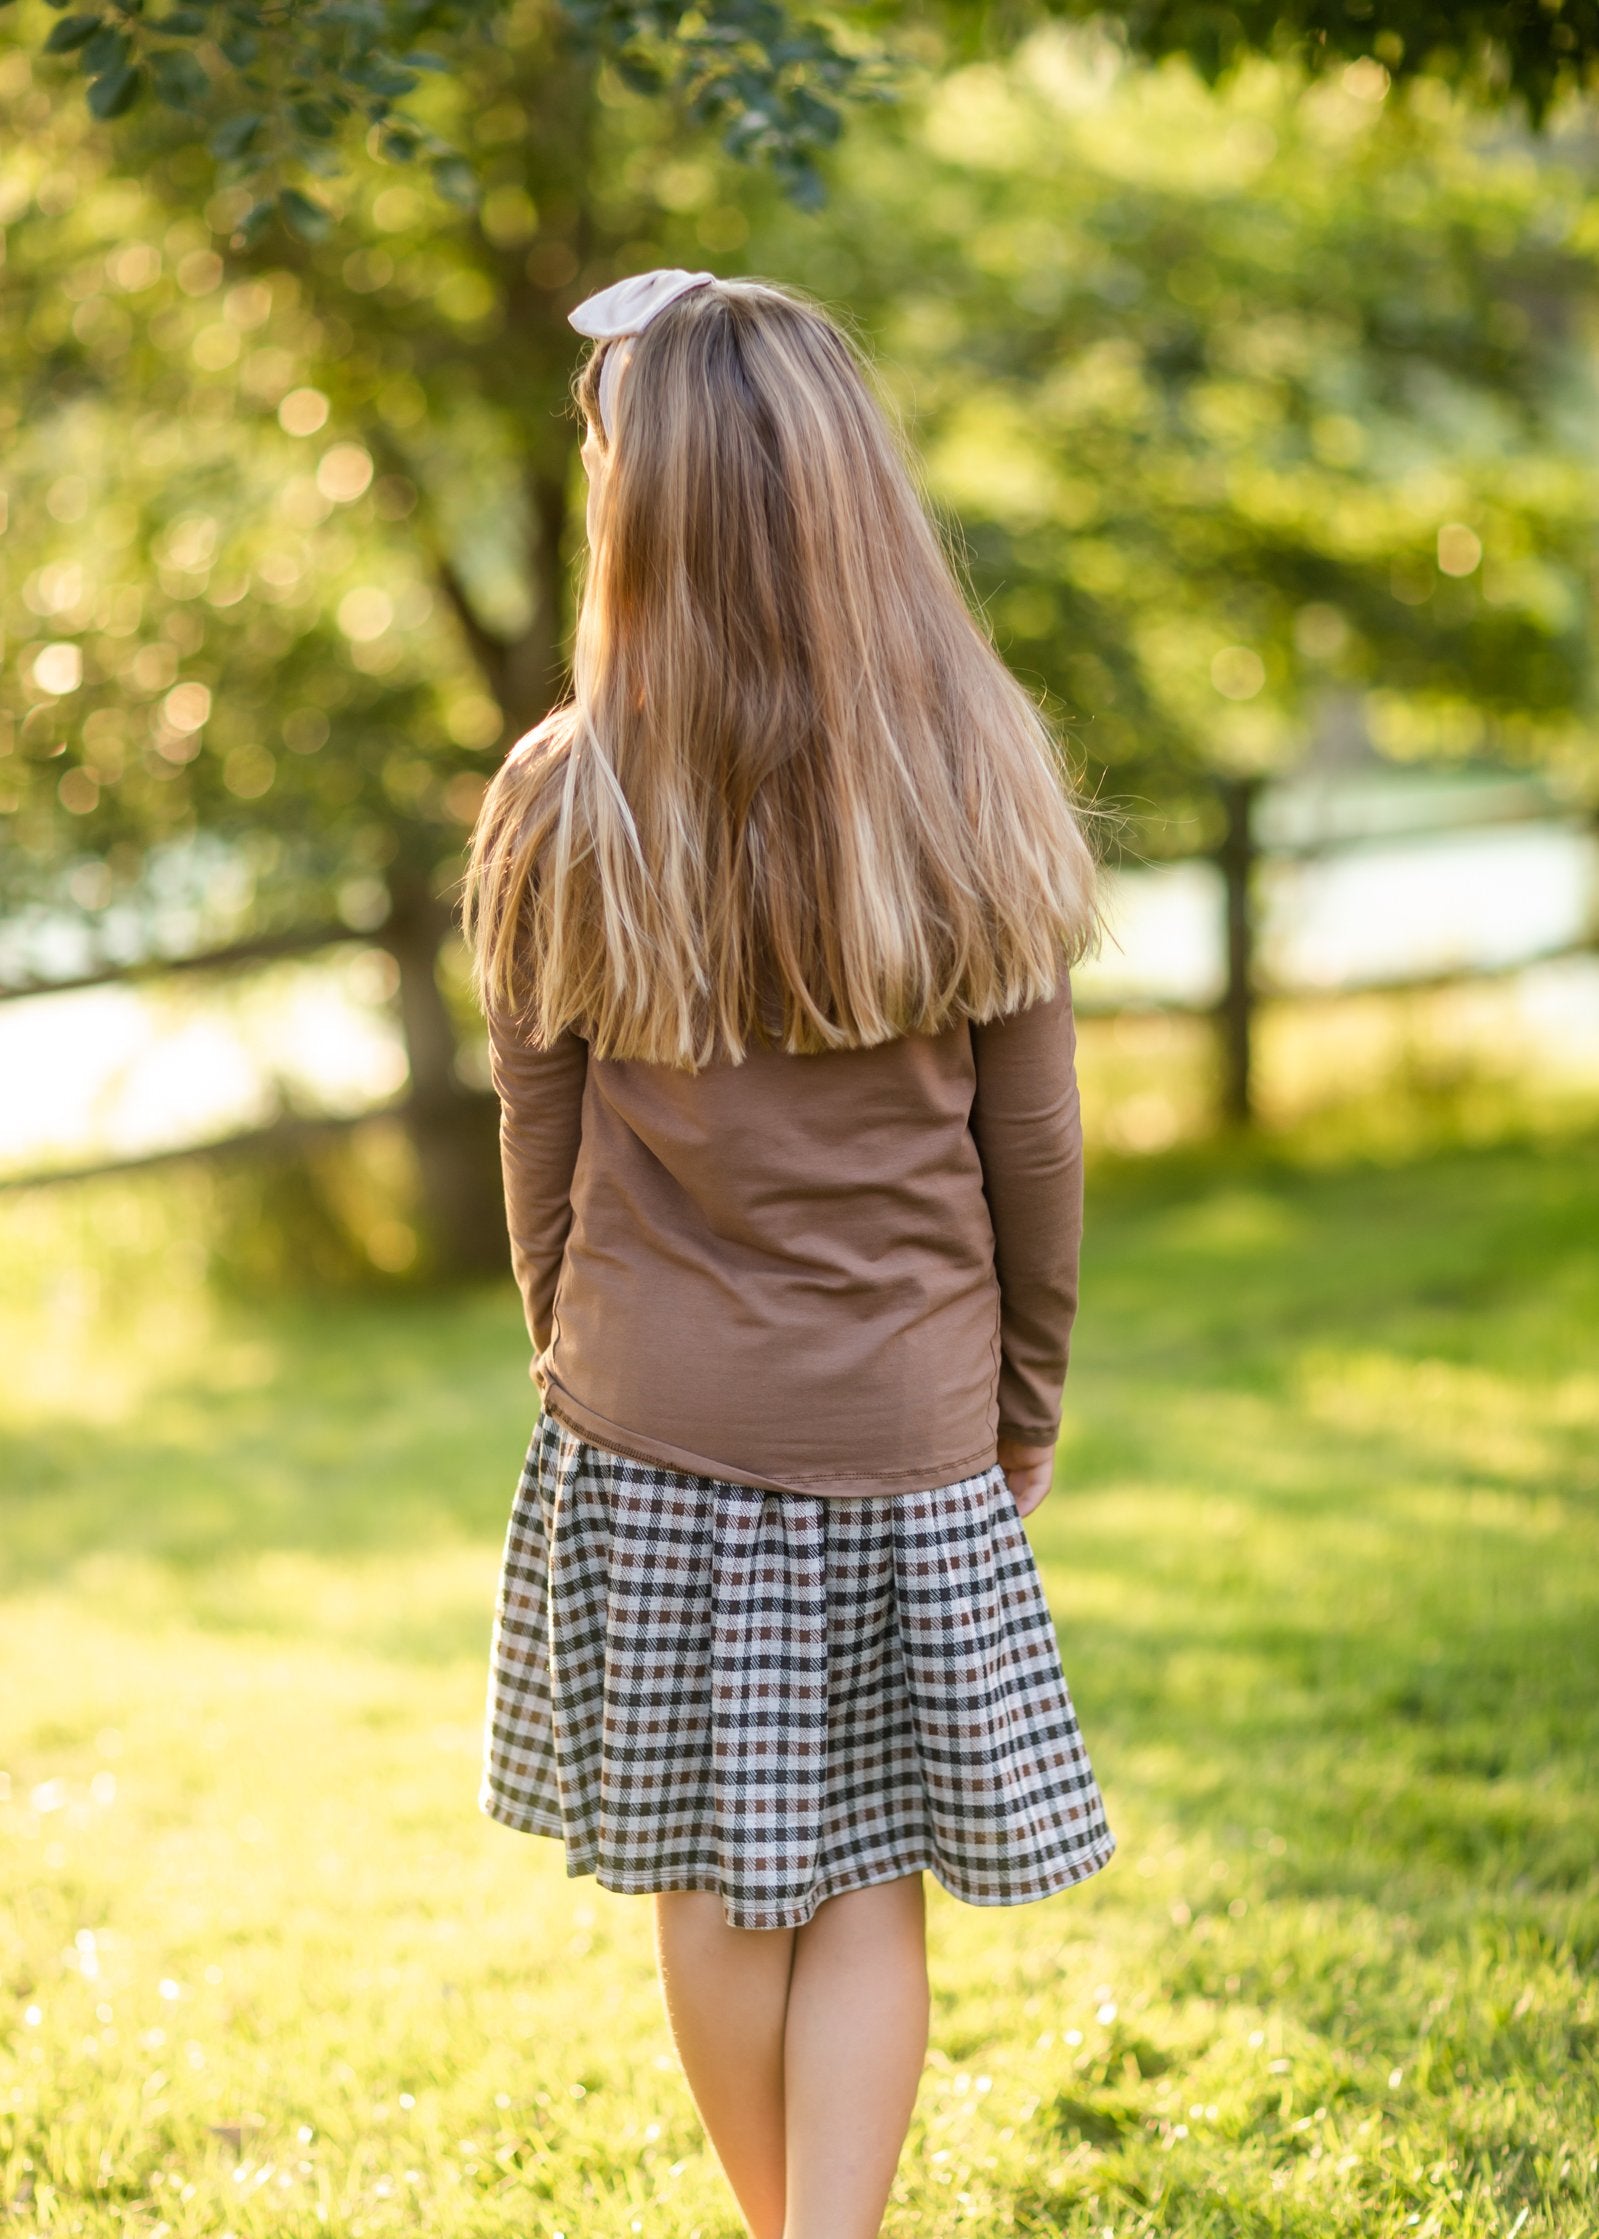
(1323, 1557)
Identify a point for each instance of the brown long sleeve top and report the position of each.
(841, 1273)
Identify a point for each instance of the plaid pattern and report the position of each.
(700, 1685)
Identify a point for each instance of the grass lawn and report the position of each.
(1324, 1559)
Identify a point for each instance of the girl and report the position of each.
(771, 925)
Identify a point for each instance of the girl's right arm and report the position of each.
(541, 1124)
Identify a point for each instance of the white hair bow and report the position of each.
(623, 310)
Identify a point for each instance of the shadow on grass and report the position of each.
(1321, 1549)
(358, 1427)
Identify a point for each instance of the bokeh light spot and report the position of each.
(90, 888)
(187, 706)
(247, 306)
(1237, 672)
(1320, 632)
(134, 267)
(344, 472)
(248, 772)
(58, 669)
(365, 613)
(78, 792)
(391, 1246)
(54, 590)
(508, 216)
(463, 797)
(68, 499)
(303, 411)
(305, 730)
(551, 264)
(396, 208)
(214, 347)
(152, 668)
(200, 272)
(1459, 549)
(473, 719)
(1366, 79)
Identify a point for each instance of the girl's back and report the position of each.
(783, 1272)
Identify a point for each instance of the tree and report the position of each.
(1496, 50)
(290, 531)
(1260, 413)
(273, 93)
(1243, 399)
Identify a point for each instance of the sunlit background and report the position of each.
(1260, 414)
(1263, 418)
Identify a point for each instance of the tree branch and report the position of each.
(491, 652)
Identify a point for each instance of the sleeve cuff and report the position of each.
(1031, 1434)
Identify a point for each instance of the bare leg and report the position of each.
(726, 1993)
(853, 2053)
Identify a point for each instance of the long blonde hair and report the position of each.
(794, 777)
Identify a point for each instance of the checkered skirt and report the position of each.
(696, 1684)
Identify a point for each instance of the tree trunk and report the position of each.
(1235, 858)
(454, 1130)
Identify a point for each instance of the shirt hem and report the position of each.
(857, 1484)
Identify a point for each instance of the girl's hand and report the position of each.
(1029, 1472)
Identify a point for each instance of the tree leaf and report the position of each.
(745, 130)
(179, 80)
(456, 181)
(181, 23)
(818, 121)
(638, 73)
(70, 32)
(804, 187)
(107, 51)
(233, 136)
(378, 73)
(115, 94)
(313, 119)
(254, 223)
(303, 216)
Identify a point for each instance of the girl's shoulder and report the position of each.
(523, 794)
(548, 744)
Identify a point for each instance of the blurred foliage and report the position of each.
(1257, 410)
(287, 533)
(339, 1214)
(1495, 49)
(273, 95)
(1260, 412)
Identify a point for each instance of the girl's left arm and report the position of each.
(541, 1124)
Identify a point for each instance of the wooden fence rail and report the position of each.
(265, 948)
(1237, 858)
